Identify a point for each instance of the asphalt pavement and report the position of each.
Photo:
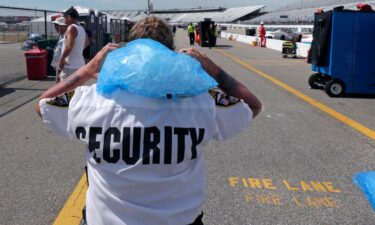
(294, 165)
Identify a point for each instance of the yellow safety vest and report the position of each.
(190, 29)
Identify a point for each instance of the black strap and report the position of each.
(198, 220)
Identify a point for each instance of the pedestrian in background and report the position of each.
(197, 35)
(60, 27)
(211, 36)
(88, 42)
(262, 35)
(75, 38)
(191, 33)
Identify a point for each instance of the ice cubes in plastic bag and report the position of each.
(148, 68)
(366, 181)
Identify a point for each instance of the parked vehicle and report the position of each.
(282, 34)
(287, 34)
(270, 33)
(307, 38)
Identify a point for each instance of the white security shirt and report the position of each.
(144, 155)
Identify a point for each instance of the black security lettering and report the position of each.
(93, 144)
(195, 140)
(126, 156)
(167, 145)
(149, 145)
(181, 133)
(115, 133)
(81, 133)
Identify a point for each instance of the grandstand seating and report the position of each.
(227, 16)
(299, 16)
(286, 15)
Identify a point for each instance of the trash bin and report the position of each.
(50, 69)
(36, 63)
(49, 46)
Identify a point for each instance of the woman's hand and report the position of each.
(93, 67)
(85, 73)
(226, 82)
(207, 64)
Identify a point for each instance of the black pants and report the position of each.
(198, 220)
(211, 41)
(192, 38)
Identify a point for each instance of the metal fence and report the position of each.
(120, 30)
(15, 27)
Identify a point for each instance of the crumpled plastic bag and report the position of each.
(366, 181)
(148, 68)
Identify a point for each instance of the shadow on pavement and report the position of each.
(6, 91)
(223, 46)
(363, 96)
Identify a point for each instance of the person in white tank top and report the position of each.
(75, 38)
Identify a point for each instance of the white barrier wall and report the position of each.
(271, 43)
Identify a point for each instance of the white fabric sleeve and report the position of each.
(232, 115)
(55, 116)
(231, 120)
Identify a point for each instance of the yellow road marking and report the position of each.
(344, 119)
(71, 213)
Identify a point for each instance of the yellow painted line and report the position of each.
(344, 119)
(71, 213)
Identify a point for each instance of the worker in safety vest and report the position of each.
(262, 35)
(191, 32)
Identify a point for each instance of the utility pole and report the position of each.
(148, 7)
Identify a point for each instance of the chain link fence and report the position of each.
(16, 26)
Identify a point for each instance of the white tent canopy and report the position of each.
(37, 25)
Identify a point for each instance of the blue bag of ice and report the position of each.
(366, 181)
(148, 68)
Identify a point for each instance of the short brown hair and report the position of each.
(154, 28)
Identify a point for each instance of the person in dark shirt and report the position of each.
(211, 36)
(86, 50)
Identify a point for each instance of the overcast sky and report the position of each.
(141, 4)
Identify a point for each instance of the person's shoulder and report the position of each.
(71, 29)
(87, 96)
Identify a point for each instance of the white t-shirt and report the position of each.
(144, 155)
(57, 52)
(75, 59)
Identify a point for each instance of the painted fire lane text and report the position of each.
(301, 193)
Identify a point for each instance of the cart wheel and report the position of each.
(335, 88)
(289, 51)
(294, 57)
(316, 81)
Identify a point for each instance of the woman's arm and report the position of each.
(227, 83)
(85, 73)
